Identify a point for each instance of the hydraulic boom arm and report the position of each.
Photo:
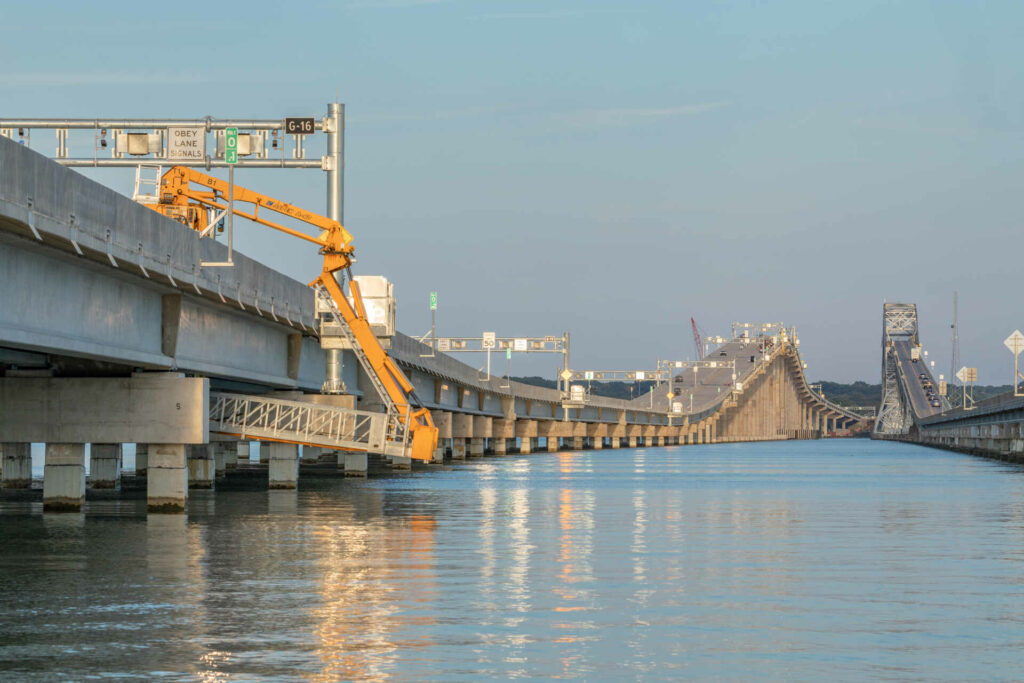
(176, 196)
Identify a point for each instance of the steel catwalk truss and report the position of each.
(311, 424)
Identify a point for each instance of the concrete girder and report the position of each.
(144, 408)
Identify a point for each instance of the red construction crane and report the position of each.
(697, 342)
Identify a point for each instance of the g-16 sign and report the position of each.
(299, 126)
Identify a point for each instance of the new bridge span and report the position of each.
(111, 332)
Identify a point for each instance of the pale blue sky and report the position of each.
(610, 168)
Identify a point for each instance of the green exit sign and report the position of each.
(231, 145)
(433, 301)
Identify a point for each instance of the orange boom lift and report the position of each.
(178, 199)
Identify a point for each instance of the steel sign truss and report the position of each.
(118, 142)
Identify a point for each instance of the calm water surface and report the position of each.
(791, 561)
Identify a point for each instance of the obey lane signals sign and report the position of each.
(186, 143)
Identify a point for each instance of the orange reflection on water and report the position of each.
(368, 570)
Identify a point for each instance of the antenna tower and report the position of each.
(955, 360)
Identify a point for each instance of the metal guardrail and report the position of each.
(310, 424)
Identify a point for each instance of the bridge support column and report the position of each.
(458, 449)
(311, 454)
(242, 455)
(229, 450)
(552, 444)
(500, 446)
(401, 462)
(577, 443)
(105, 465)
(615, 442)
(64, 477)
(527, 444)
(632, 441)
(598, 443)
(167, 480)
(438, 457)
(141, 459)
(201, 469)
(356, 464)
(283, 465)
(476, 447)
(17, 466)
(222, 450)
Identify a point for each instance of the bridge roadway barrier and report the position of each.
(112, 332)
(993, 428)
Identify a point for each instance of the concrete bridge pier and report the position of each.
(64, 477)
(633, 441)
(615, 442)
(105, 465)
(552, 444)
(222, 451)
(458, 449)
(476, 447)
(201, 467)
(141, 459)
(242, 453)
(500, 446)
(577, 443)
(356, 464)
(17, 465)
(401, 462)
(598, 443)
(283, 465)
(527, 445)
(231, 455)
(167, 480)
(310, 455)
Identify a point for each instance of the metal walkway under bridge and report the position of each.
(274, 419)
(313, 424)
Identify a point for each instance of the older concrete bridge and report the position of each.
(991, 428)
(111, 332)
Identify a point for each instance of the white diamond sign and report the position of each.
(1015, 342)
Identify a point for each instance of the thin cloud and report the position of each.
(68, 78)
(437, 115)
(392, 4)
(603, 118)
(557, 13)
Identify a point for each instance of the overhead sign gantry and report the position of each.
(115, 142)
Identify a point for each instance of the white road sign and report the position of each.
(489, 341)
(444, 344)
(966, 374)
(186, 143)
(1015, 342)
(519, 344)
